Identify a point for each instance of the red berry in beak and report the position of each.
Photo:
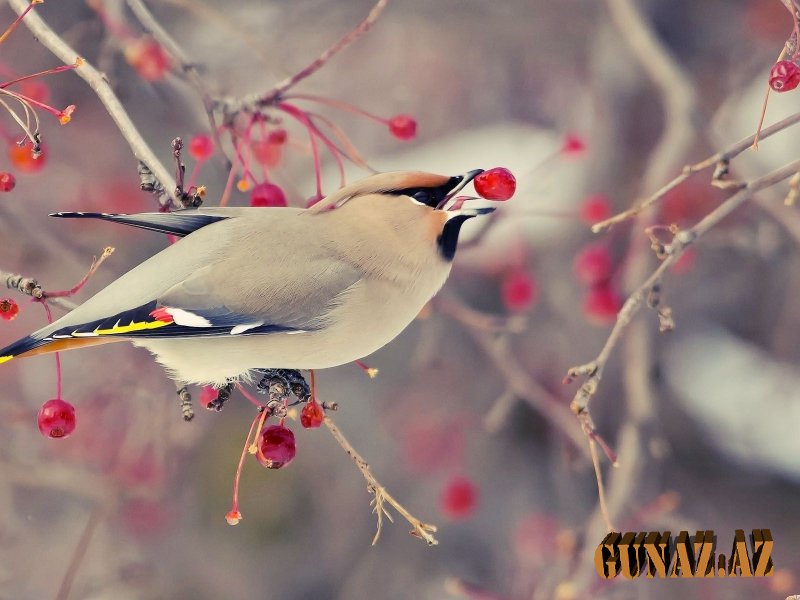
(495, 184)
(784, 76)
(56, 418)
(276, 447)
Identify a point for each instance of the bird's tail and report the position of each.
(39, 343)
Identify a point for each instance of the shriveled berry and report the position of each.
(784, 76)
(56, 418)
(593, 264)
(602, 304)
(573, 145)
(459, 498)
(495, 184)
(8, 309)
(23, 159)
(148, 58)
(233, 517)
(276, 447)
(312, 415)
(201, 147)
(595, 208)
(267, 194)
(403, 127)
(7, 181)
(519, 291)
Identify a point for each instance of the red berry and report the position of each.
(784, 76)
(403, 127)
(312, 415)
(276, 446)
(595, 208)
(8, 309)
(23, 159)
(201, 147)
(459, 498)
(495, 184)
(312, 200)
(519, 291)
(573, 145)
(7, 181)
(593, 264)
(207, 394)
(277, 137)
(56, 418)
(267, 194)
(148, 58)
(602, 305)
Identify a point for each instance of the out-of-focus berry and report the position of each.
(573, 145)
(595, 208)
(7, 181)
(593, 264)
(459, 498)
(201, 147)
(602, 304)
(23, 159)
(403, 127)
(148, 58)
(519, 291)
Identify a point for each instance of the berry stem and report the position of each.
(96, 262)
(350, 152)
(300, 116)
(57, 354)
(53, 71)
(18, 20)
(339, 104)
(234, 515)
(250, 397)
(226, 193)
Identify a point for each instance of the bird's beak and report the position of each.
(459, 183)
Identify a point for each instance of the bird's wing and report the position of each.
(241, 277)
(180, 223)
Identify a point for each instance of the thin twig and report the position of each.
(80, 552)
(719, 159)
(420, 529)
(31, 287)
(284, 86)
(98, 82)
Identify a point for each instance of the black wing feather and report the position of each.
(177, 223)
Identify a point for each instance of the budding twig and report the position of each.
(98, 82)
(421, 530)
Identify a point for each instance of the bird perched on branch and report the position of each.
(247, 290)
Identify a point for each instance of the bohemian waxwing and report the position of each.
(252, 288)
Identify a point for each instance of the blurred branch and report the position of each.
(97, 81)
(720, 160)
(79, 553)
(281, 88)
(421, 530)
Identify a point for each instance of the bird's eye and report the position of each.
(423, 196)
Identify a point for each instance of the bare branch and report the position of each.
(97, 81)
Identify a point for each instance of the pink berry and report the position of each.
(35, 90)
(8, 309)
(459, 498)
(593, 264)
(784, 76)
(403, 127)
(519, 291)
(312, 415)
(595, 208)
(201, 147)
(573, 145)
(312, 200)
(602, 305)
(267, 195)
(276, 447)
(56, 418)
(495, 184)
(7, 181)
(267, 153)
(148, 58)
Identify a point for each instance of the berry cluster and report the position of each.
(27, 154)
(594, 268)
(273, 446)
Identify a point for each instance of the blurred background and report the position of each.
(467, 424)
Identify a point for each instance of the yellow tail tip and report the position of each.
(5, 359)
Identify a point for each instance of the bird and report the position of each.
(272, 291)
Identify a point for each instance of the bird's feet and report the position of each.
(222, 396)
(279, 383)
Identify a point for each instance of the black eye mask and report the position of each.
(429, 196)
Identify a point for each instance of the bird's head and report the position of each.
(411, 202)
